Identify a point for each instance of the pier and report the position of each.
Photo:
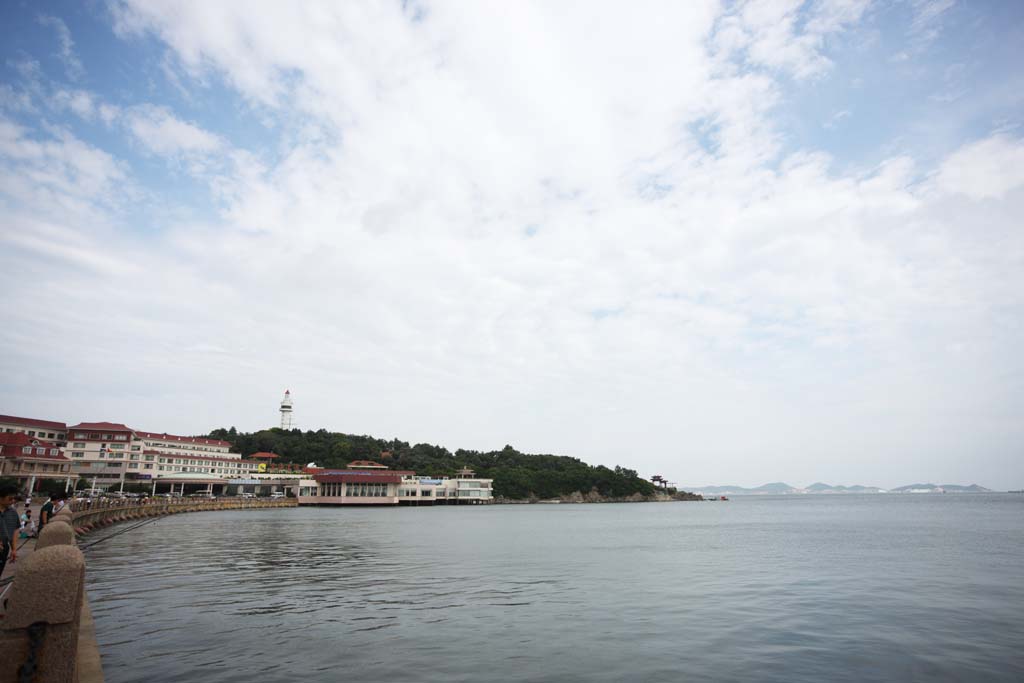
(46, 630)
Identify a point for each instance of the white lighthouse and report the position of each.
(286, 410)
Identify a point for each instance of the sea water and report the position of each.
(891, 587)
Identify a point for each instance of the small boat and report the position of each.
(723, 498)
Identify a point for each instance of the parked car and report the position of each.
(277, 494)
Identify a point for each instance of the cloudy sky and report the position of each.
(723, 242)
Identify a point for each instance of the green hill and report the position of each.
(516, 475)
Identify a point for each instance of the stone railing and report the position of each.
(88, 518)
(46, 604)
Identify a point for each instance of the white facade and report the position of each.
(45, 430)
(465, 488)
(109, 454)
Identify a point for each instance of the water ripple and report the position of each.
(854, 588)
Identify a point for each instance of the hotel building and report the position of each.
(110, 453)
(44, 430)
(29, 459)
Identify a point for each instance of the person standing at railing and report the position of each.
(47, 512)
(10, 525)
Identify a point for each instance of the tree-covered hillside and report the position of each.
(516, 475)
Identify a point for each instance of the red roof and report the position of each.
(102, 426)
(264, 455)
(358, 478)
(366, 463)
(11, 444)
(32, 422)
(185, 439)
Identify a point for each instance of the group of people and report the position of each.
(14, 526)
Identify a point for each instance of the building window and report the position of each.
(31, 433)
(147, 467)
(113, 464)
(27, 450)
(133, 465)
(121, 437)
(133, 456)
(81, 435)
(54, 451)
(79, 445)
(117, 446)
(149, 458)
(77, 454)
(136, 448)
(40, 451)
(106, 437)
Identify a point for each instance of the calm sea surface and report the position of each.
(808, 588)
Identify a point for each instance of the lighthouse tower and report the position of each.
(286, 410)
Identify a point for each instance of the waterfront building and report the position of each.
(267, 464)
(465, 488)
(366, 482)
(44, 430)
(111, 453)
(29, 459)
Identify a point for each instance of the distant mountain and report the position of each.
(776, 488)
(856, 488)
(780, 488)
(938, 488)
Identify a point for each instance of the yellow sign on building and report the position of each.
(262, 467)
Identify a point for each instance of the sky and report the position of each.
(725, 242)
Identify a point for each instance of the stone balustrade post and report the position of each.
(57, 532)
(40, 628)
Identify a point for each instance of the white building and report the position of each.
(110, 454)
(44, 430)
(370, 483)
(465, 488)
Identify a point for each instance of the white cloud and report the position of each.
(928, 15)
(788, 35)
(58, 172)
(571, 232)
(72, 65)
(164, 134)
(837, 118)
(986, 169)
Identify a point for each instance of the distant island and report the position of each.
(518, 477)
(780, 488)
